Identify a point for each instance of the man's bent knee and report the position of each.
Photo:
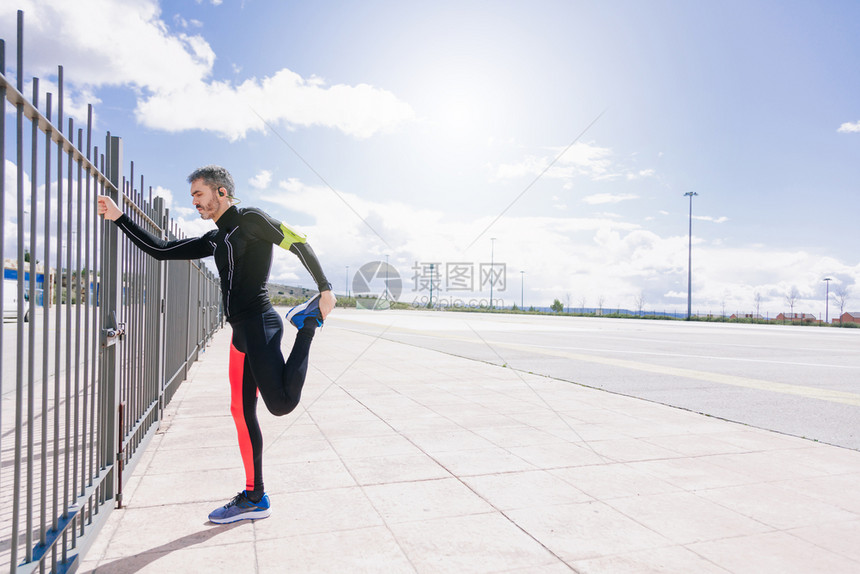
(281, 408)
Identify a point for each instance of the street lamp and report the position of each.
(492, 262)
(385, 291)
(522, 305)
(690, 194)
(431, 286)
(827, 281)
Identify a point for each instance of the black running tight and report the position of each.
(257, 367)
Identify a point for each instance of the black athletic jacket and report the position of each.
(242, 246)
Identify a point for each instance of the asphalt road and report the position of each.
(801, 381)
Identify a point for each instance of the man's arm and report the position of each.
(309, 259)
(283, 236)
(191, 248)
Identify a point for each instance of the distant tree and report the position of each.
(582, 303)
(757, 300)
(791, 299)
(841, 297)
(600, 305)
(567, 301)
(640, 302)
(557, 306)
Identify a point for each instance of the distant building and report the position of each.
(276, 290)
(10, 273)
(796, 317)
(747, 316)
(850, 317)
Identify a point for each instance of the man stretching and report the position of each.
(242, 247)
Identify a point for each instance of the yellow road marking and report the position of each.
(842, 397)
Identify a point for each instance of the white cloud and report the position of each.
(75, 104)
(185, 24)
(231, 111)
(181, 210)
(599, 198)
(849, 128)
(261, 180)
(580, 160)
(641, 174)
(108, 42)
(116, 43)
(29, 230)
(721, 219)
(165, 194)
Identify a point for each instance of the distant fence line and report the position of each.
(87, 367)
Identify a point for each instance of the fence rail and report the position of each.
(89, 359)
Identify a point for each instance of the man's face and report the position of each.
(205, 199)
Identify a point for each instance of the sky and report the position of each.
(555, 140)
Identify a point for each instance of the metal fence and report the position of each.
(88, 357)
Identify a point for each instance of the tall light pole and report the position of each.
(827, 281)
(431, 286)
(385, 291)
(347, 281)
(492, 262)
(522, 280)
(690, 194)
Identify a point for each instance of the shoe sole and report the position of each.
(255, 515)
(298, 309)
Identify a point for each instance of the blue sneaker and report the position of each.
(308, 309)
(241, 508)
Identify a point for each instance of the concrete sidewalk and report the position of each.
(402, 459)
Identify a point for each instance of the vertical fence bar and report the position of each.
(19, 346)
(86, 206)
(104, 318)
(158, 215)
(95, 334)
(130, 315)
(77, 302)
(31, 312)
(46, 321)
(113, 297)
(67, 347)
(59, 314)
(122, 313)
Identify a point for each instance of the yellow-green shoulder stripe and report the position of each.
(290, 237)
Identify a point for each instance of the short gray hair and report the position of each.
(215, 177)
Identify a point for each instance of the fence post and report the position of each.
(189, 332)
(112, 299)
(160, 217)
